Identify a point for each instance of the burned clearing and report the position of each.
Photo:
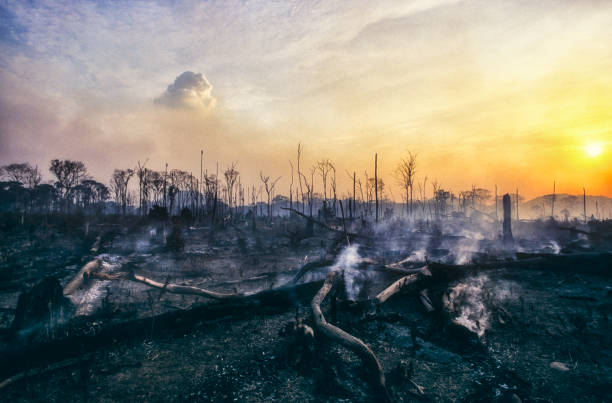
(445, 310)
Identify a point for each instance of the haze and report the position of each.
(516, 94)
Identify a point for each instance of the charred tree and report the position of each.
(508, 239)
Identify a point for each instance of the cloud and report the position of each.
(189, 91)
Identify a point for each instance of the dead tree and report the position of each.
(269, 188)
(584, 204)
(405, 172)
(141, 172)
(231, 175)
(554, 195)
(291, 187)
(507, 220)
(376, 182)
(345, 339)
(324, 167)
(299, 154)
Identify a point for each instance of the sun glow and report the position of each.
(593, 150)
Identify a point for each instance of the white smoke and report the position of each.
(89, 299)
(471, 301)
(347, 262)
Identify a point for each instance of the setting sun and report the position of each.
(593, 150)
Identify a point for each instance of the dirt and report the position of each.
(522, 321)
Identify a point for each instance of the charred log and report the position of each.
(345, 339)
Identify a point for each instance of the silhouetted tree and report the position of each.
(119, 186)
(69, 174)
(269, 188)
(405, 172)
(231, 175)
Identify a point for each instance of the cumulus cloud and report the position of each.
(189, 91)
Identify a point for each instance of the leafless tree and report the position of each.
(309, 188)
(141, 172)
(291, 188)
(231, 175)
(299, 172)
(405, 172)
(269, 188)
(119, 186)
(324, 167)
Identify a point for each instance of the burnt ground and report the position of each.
(540, 327)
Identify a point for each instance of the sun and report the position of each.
(593, 149)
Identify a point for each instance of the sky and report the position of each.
(507, 93)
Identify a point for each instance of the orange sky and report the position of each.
(517, 94)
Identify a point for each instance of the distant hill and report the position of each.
(567, 205)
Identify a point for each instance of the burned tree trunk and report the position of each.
(508, 239)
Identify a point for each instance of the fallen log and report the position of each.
(395, 288)
(308, 267)
(345, 339)
(400, 284)
(82, 276)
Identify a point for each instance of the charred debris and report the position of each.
(305, 298)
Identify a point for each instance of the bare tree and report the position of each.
(324, 167)
(405, 172)
(231, 175)
(269, 188)
(299, 154)
(291, 188)
(119, 185)
(309, 187)
(157, 183)
(141, 172)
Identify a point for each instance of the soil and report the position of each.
(532, 331)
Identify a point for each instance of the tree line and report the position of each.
(140, 190)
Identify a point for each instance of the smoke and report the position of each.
(471, 302)
(347, 262)
(188, 91)
(88, 300)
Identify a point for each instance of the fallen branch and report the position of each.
(323, 225)
(82, 276)
(308, 267)
(345, 339)
(168, 287)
